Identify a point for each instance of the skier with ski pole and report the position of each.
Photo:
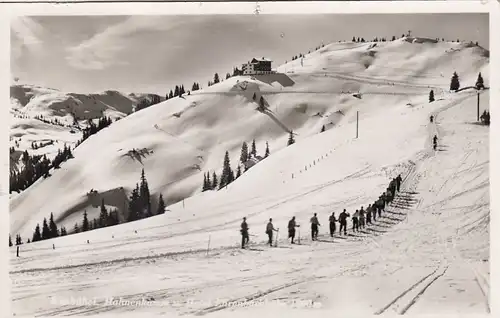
(291, 229)
(244, 233)
(314, 227)
(343, 222)
(332, 220)
(269, 231)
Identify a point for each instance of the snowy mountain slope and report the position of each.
(29, 102)
(427, 254)
(185, 137)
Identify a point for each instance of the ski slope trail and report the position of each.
(427, 253)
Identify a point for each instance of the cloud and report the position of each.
(27, 35)
(103, 49)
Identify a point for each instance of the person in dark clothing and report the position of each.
(269, 231)
(435, 141)
(369, 214)
(332, 224)
(355, 221)
(244, 233)
(389, 195)
(398, 182)
(343, 222)
(362, 214)
(392, 186)
(432, 118)
(314, 227)
(291, 229)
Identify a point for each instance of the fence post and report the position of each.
(17, 252)
(477, 106)
(208, 247)
(357, 123)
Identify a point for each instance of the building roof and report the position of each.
(261, 60)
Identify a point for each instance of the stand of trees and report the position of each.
(145, 103)
(93, 128)
(212, 181)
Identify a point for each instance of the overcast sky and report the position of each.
(154, 53)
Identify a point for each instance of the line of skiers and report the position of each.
(360, 219)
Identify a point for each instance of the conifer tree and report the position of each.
(85, 223)
(323, 128)
(37, 236)
(209, 182)
(145, 197)
(216, 78)
(214, 181)
(176, 91)
(63, 231)
(171, 94)
(28, 241)
(54, 232)
(291, 140)
(10, 241)
(231, 176)
(480, 82)
(103, 216)
(45, 230)
(393, 38)
(267, 150)
(455, 82)
(161, 205)
(244, 153)
(205, 184)
(134, 204)
(227, 172)
(254, 149)
(254, 96)
(262, 105)
(431, 96)
(95, 224)
(238, 172)
(76, 229)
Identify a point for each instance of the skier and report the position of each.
(432, 118)
(355, 221)
(398, 182)
(388, 195)
(483, 117)
(343, 222)
(392, 188)
(381, 205)
(332, 224)
(244, 233)
(314, 227)
(435, 141)
(362, 218)
(369, 214)
(291, 229)
(269, 231)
